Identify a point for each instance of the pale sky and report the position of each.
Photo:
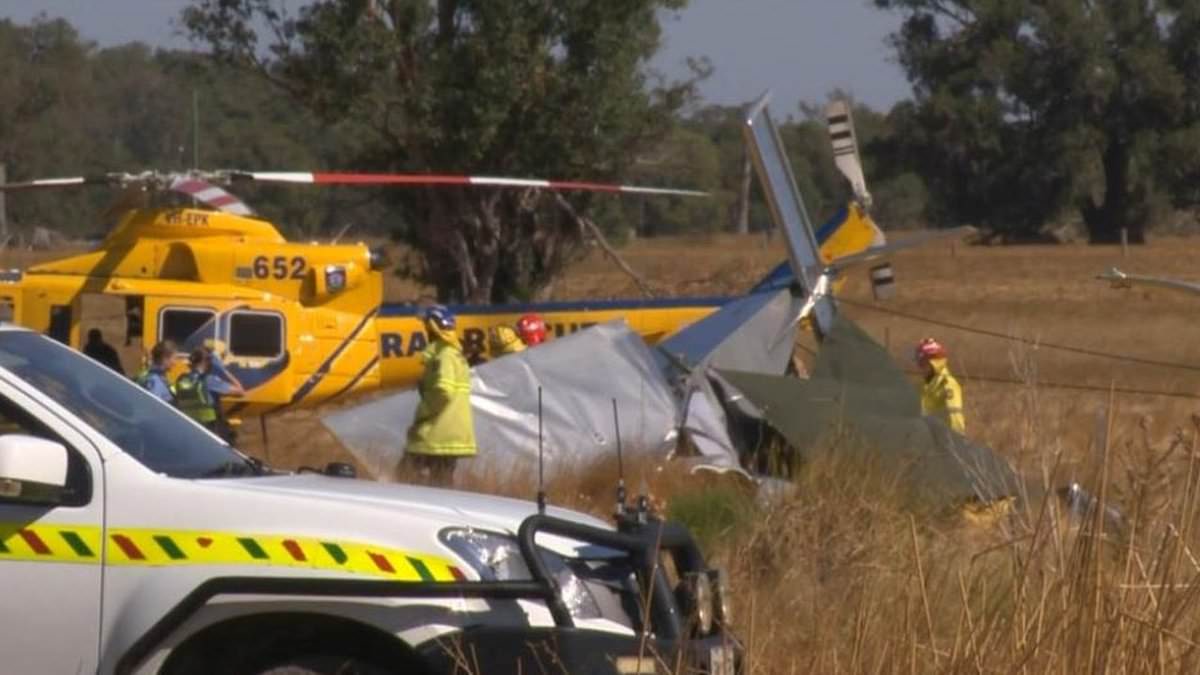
(800, 49)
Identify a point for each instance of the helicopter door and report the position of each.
(252, 340)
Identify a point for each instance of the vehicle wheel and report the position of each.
(325, 664)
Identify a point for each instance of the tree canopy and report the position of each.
(1026, 110)
(527, 88)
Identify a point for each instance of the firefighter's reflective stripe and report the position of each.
(154, 547)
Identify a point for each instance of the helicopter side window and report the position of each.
(186, 327)
(256, 334)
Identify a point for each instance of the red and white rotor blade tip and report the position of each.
(415, 179)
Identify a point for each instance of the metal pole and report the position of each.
(262, 421)
(541, 494)
(1124, 242)
(195, 129)
(743, 206)
(3, 204)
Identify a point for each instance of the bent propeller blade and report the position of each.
(845, 149)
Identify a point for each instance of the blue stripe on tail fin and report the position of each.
(781, 276)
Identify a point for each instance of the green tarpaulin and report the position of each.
(857, 392)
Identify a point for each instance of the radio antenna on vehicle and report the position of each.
(620, 464)
(541, 494)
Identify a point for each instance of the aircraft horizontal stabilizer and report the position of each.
(879, 252)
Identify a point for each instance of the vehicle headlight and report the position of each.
(590, 588)
(574, 591)
(495, 557)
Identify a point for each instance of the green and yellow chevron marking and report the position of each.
(66, 543)
(156, 548)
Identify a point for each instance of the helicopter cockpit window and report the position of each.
(187, 327)
(255, 334)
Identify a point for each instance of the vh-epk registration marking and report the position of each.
(155, 547)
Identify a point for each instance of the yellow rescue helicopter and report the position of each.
(303, 323)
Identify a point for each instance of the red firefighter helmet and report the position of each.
(532, 329)
(929, 349)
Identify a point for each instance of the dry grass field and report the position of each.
(840, 577)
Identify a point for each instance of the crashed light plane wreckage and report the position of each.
(698, 382)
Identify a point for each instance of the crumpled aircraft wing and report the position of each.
(754, 333)
(579, 376)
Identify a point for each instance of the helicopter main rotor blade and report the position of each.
(40, 183)
(335, 178)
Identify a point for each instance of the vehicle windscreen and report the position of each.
(133, 419)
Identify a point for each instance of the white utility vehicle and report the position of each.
(134, 541)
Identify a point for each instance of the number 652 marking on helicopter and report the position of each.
(280, 267)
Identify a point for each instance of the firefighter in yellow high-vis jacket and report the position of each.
(442, 430)
(941, 394)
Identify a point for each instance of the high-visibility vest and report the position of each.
(504, 340)
(443, 424)
(193, 399)
(941, 396)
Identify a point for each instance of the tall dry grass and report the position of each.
(841, 574)
(841, 578)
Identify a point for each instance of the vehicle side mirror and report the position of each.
(32, 469)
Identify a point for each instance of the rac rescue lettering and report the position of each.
(395, 344)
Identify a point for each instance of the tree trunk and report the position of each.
(1105, 221)
(743, 202)
(491, 247)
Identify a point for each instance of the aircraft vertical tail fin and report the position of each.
(787, 206)
(850, 230)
